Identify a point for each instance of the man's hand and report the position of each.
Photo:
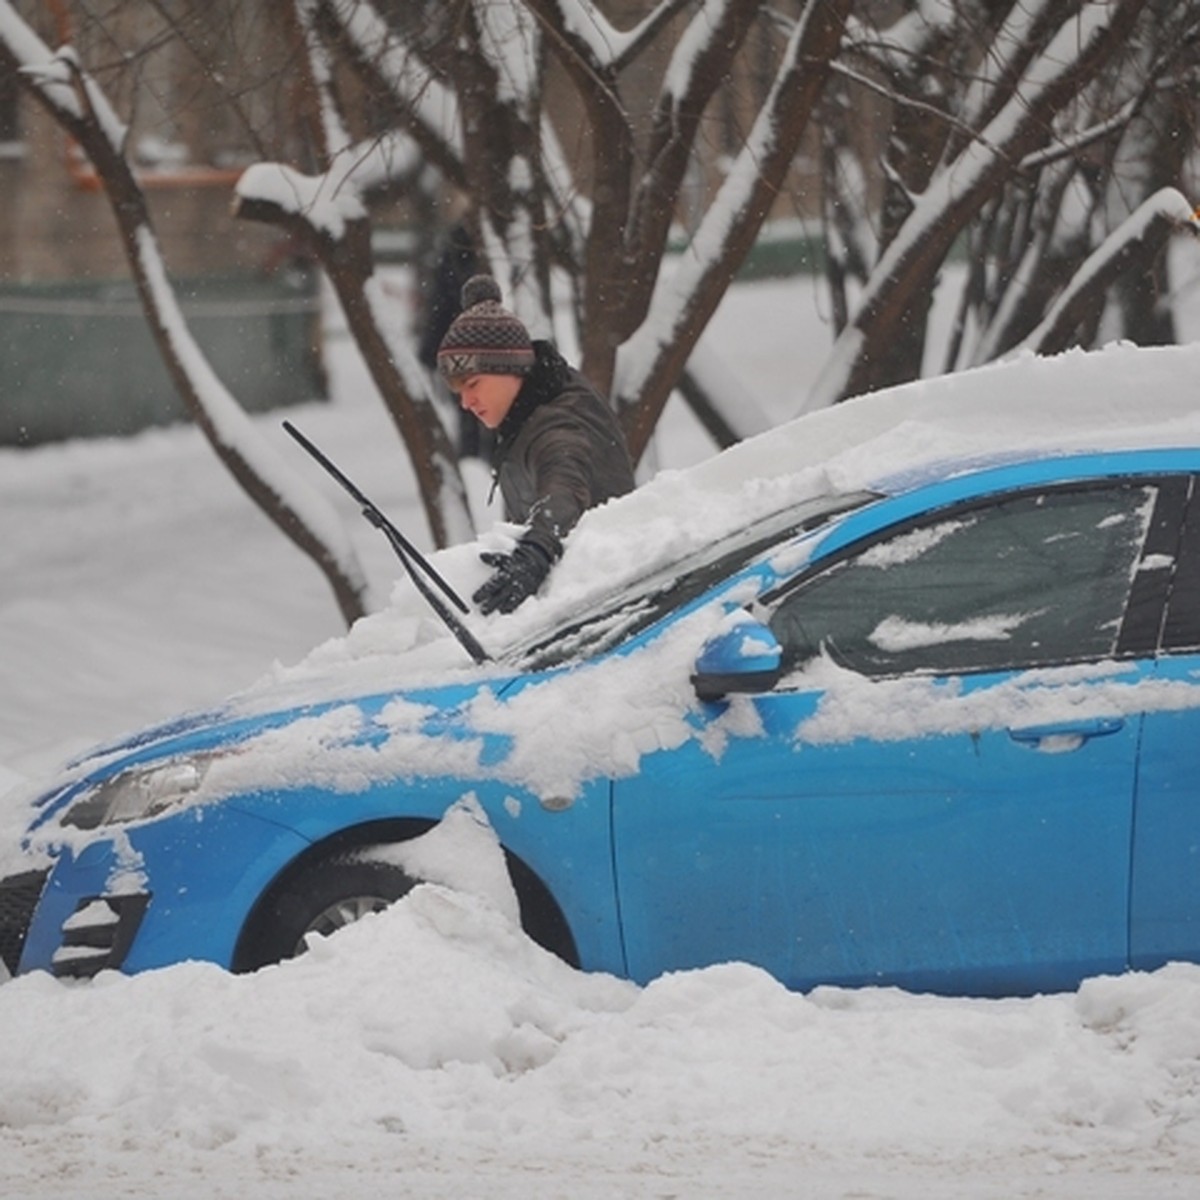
(518, 575)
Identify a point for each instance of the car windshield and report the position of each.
(670, 586)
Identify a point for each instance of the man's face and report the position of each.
(488, 397)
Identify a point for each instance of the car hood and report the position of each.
(288, 746)
(544, 734)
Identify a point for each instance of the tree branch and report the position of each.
(1137, 241)
(651, 361)
(904, 276)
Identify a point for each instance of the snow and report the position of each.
(895, 633)
(433, 1050)
(326, 204)
(461, 852)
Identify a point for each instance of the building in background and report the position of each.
(79, 359)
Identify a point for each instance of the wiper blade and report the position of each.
(420, 570)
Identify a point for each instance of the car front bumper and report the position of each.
(95, 928)
(144, 898)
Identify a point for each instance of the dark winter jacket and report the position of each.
(558, 452)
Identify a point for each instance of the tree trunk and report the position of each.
(795, 94)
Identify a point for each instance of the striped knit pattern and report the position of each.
(485, 338)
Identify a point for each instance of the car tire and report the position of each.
(320, 899)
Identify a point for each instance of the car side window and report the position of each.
(1027, 580)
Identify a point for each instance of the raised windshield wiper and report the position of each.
(420, 569)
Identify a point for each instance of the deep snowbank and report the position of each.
(437, 1031)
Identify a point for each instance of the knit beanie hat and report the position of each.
(485, 338)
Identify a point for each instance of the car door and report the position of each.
(940, 795)
(1165, 894)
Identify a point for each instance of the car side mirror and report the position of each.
(742, 656)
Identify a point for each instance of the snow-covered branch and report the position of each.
(1138, 238)
(60, 83)
(431, 107)
(509, 42)
(334, 136)
(280, 192)
(907, 269)
(328, 201)
(329, 212)
(1014, 47)
(583, 30)
(678, 313)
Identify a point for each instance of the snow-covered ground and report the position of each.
(434, 1051)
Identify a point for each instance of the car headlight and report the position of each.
(139, 792)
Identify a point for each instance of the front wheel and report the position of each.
(320, 899)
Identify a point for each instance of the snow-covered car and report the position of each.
(901, 693)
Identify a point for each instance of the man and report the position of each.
(456, 263)
(558, 449)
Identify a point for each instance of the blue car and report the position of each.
(941, 732)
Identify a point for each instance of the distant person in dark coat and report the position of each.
(558, 448)
(456, 263)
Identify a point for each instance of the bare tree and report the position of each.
(330, 212)
(994, 106)
(469, 87)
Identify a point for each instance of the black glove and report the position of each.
(518, 575)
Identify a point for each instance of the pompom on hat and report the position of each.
(485, 338)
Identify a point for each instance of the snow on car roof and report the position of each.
(1122, 397)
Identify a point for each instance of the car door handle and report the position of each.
(1070, 735)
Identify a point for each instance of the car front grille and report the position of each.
(98, 935)
(19, 895)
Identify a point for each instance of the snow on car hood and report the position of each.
(547, 736)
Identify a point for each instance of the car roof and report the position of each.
(1004, 470)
